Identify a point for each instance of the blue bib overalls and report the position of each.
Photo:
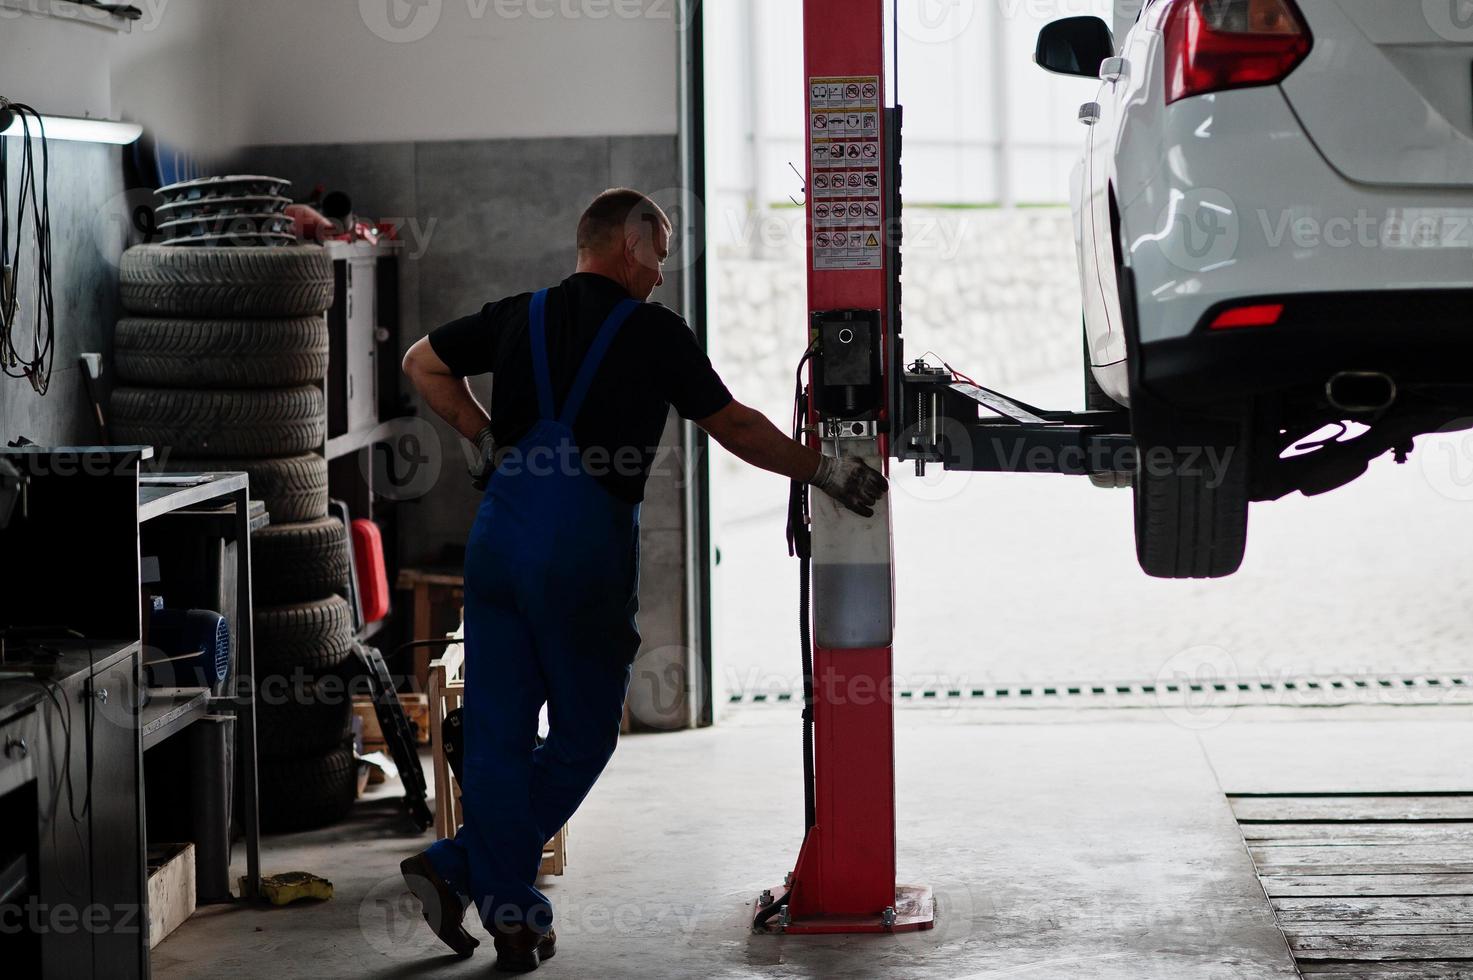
(551, 582)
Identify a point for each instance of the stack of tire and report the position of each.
(221, 362)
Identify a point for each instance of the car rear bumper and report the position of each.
(1240, 202)
(1421, 338)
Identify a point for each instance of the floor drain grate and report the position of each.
(1309, 691)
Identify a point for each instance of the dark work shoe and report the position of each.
(444, 910)
(521, 950)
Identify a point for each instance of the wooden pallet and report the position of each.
(1368, 886)
(446, 693)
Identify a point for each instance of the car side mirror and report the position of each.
(1075, 46)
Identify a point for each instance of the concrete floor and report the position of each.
(1059, 844)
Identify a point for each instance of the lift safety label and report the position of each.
(845, 198)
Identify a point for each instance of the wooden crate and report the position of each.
(416, 706)
(431, 588)
(447, 692)
(171, 893)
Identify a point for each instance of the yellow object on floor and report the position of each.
(294, 886)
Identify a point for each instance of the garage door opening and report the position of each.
(1023, 586)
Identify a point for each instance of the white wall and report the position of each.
(56, 65)
(167, 73)
(333, 71)
(210, 75)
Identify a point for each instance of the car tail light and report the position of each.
(1261, 315)
(1213, 45)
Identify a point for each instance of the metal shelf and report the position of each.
(166, 493)
(351, 442)
(170, 710)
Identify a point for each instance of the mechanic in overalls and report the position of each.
(585, 375)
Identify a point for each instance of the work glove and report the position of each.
(483, 464)
(849, 481)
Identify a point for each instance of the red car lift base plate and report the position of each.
(915, 911)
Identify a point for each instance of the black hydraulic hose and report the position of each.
(800, 543)
(766, 914)
(810, 806)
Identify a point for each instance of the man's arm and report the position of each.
(448, 396)
(752, 438)
(749, 436)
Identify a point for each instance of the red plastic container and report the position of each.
(373, 580)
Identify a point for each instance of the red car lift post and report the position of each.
(844, 880)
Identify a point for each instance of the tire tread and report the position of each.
(220, 282)
(221, 423)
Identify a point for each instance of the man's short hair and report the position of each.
(609, 217)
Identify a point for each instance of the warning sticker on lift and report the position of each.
(845, 189)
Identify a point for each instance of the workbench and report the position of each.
(77, 723)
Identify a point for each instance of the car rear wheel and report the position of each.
(1191, 510)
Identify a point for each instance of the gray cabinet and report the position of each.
(358, 324)
(92, 875)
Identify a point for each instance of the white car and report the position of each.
(1274, 219)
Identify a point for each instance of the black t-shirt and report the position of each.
(653, 363)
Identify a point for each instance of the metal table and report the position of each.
(222, 500)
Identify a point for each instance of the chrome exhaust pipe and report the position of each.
(1361, 392)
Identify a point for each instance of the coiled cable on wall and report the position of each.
(33, 198)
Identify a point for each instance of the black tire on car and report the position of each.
(311, 637)
(289, 725)
(158, 280)
(221, 353)
(293, 488)
(221, 423)
(307, 792)
(1191, 510)
(295, 562)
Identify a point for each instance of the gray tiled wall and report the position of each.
(497, 217)
(86, 181)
